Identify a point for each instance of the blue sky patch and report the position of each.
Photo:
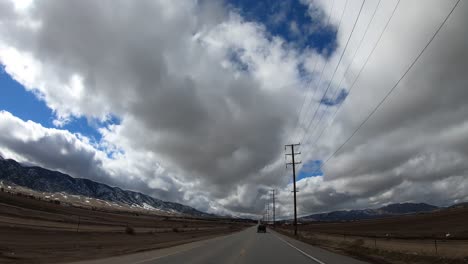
(310, 169)
(235, 58)
(290, 20)
(335, 101)
(82, 126)
(23, 104)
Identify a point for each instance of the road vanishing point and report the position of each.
(244, 247)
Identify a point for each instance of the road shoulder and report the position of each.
(321, 256)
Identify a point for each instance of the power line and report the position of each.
(298, 114)
(396, 84)
(274, 206)
(293, 163)
(323, 68)
(360, 70)
(335, 95)
(334, 72)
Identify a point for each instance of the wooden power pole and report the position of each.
(293, 163)
(274, 213)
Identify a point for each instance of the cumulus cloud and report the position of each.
(27, 141)
(166, 70)
(206, 100)
(416, 142)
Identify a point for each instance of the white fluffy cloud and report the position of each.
(414, 147)
(172, 73)
(206, 101)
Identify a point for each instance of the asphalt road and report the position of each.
(245, 247)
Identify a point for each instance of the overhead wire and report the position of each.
(395, 85)
(334, 72)
(360, 71)
(326, 63)
(335, 95)
(309, 85)
(299, 113)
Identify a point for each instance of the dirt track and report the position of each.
(33, 231)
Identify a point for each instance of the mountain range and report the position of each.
(44, 180)
(386, 211)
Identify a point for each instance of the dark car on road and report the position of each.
(261, 228)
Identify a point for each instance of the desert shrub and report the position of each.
(358, 243)
(129, 230)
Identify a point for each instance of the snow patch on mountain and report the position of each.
(43, 180)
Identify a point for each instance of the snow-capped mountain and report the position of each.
(386, 211)
(43, 180)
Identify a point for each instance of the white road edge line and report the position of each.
(302, 252)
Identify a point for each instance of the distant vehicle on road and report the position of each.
(261, 228)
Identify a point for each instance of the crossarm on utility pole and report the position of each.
(294, 163)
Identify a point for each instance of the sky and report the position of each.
(193, 101)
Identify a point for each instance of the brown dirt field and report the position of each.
(395, 251)
(33, 231)
(427, 225)
(417, 238)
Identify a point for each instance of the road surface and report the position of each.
(245, 247)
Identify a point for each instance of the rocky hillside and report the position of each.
(43, 180)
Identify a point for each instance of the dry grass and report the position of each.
(417, 226)
(129, 230)
(419, 238)
(34, 231)
(389, 251)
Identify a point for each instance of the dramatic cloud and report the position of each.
(171, 73)
(204, 100)
(414, 147)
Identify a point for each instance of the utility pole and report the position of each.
(268, 213)
(293, 163)
(274, 216)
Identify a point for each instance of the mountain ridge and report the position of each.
(395, 209)
(44, 180)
